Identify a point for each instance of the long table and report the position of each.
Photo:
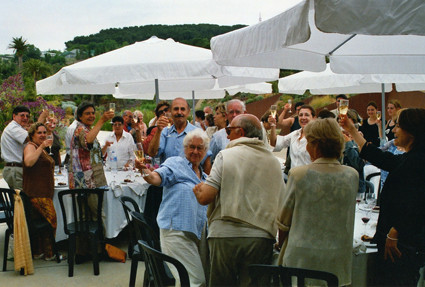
(113, 213)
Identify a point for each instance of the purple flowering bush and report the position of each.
(12, 94)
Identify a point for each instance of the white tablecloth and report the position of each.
(114, 217)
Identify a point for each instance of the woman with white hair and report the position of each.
(181, 218)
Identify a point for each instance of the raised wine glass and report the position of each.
(273, 112)
(112, 107)
(50, 137)
(343, 107)
(378, 115)
(290, 106)
(140, 155)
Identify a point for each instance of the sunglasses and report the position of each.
(229, 129)
(163, 111)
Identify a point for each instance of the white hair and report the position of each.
(236, 101)
(197, 133)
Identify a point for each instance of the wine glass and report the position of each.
(365, 219)
(50, 137)
(112, 107)
(140, 155)
(168, 115)
(290, 106)
(378, 115)
(273, 112)
(343, 107)
(359, 199)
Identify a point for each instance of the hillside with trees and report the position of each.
(113, 38)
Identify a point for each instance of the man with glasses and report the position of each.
(243, 202)
(219, 139)
(13, 140)
(121, 142)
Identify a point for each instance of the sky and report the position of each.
(48, 24)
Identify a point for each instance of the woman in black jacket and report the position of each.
(400, 233)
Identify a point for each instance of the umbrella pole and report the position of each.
(383, 111)
(156, 91)
(193, 106)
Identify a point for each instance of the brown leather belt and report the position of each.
(18, 164)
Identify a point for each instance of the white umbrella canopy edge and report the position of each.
(346, 53)
(371, 17)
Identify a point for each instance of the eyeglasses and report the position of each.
(229, 129)
(117, 124)
(163, 111)
(193, 147)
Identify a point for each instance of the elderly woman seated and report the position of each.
(181, 218)
(317, 211)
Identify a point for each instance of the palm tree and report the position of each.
(19, 45)
(37, 69)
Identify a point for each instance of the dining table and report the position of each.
(120, 182)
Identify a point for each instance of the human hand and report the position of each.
(108, 143)
(107, 116)
(347, 124)
(271, 120)
(391, 248)
(197, 188)
(162, 122)
(287, 107)
(47, 143)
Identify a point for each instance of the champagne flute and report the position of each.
(290, 106)
(343, 107)
(112, 107)
(378, 115)
(140, 155)
(273, 112)
(168, 115)
(50, 137)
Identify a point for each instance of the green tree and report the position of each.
(19, 45)
(37, 69)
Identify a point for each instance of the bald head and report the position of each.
(250, 124)
(179, 101)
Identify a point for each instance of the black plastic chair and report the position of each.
(134, 252)
(145, 232)
(7, 201)
(83, 222)
(277, 275)
(37, 225)
(155, 260)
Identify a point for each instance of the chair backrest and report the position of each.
(144, 230)
(130, 205)
(276, 275)
(80, 214)
(7, 201)
(155, 261)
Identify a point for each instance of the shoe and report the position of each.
(62, 257)
(39, 256)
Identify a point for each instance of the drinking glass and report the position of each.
(140, 155)
(343, 107)
(378, 115)
(168, 115)
(50, 137)
(365, 219)
(359, 197)
(290, 106)
(112, 107)
(273, 112)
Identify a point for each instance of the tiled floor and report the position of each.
(48, 274)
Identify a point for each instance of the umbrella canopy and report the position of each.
(371, 17)
(328, 82)
(216, 93)
(291, 40)
(133, 69)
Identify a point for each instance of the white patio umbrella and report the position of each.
(328, 82)
(134, 69)
(377, 17)
(291, 40)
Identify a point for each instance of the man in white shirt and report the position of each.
(121, 142)
(13, 140)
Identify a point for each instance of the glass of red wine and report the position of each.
(365, 219)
